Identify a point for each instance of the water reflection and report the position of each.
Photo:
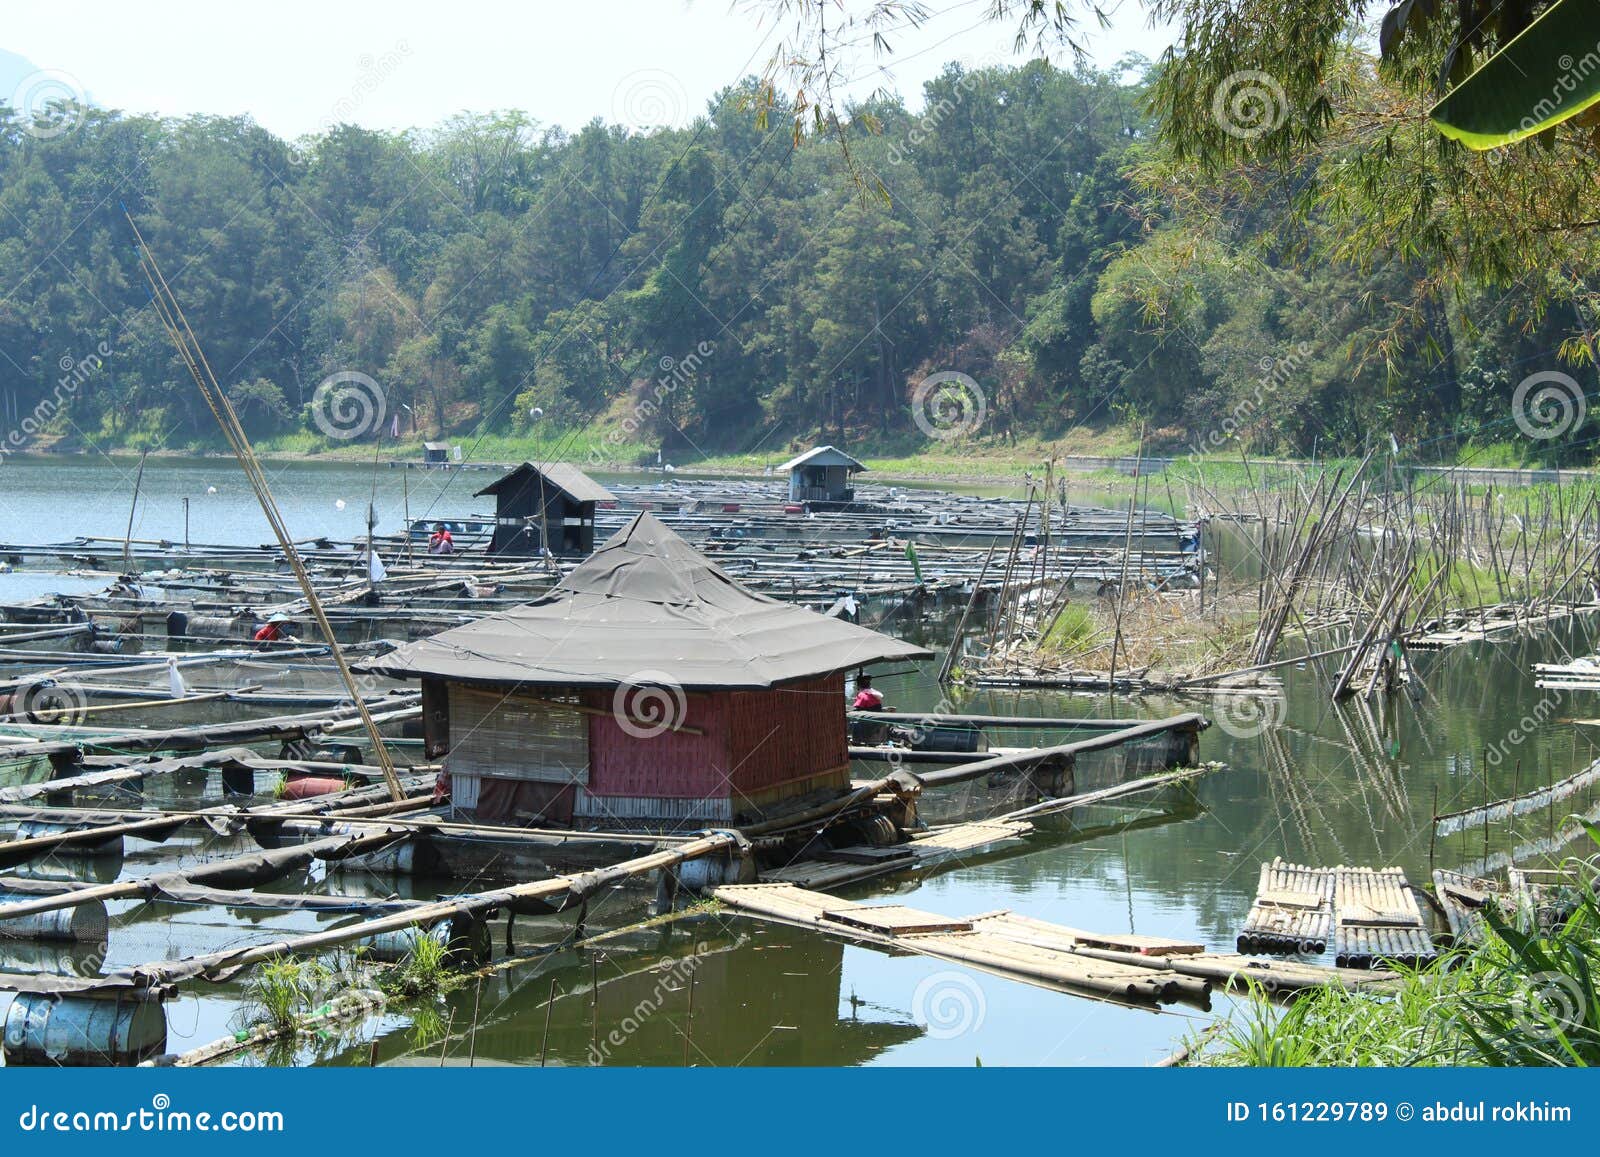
(760, 996)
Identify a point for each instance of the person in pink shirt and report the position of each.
(868, 697)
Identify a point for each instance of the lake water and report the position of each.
(1322, 785)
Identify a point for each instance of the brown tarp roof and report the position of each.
(646, 607)
(562, 475)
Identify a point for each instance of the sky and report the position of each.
(299, 66)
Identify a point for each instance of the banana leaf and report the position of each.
(1547, 74)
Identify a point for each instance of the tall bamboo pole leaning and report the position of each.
(127, 539)
(188, 347)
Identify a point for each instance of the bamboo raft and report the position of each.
(1464, 900)
(1532, 899)
(1371, 913)
(1292, 913)
(1378, 919)
(992, 943)
(1126, 968)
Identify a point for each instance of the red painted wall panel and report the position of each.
(753, 740)
(671, 763)
(788, 733)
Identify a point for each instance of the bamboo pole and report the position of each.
(171, 314)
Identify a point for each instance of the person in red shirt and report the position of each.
(440, 542)
(868, 697)
(272, 630)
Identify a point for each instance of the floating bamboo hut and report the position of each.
(647, 688)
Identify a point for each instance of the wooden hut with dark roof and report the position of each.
(549, 506)
(648, 689)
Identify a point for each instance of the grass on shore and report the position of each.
(907, 456)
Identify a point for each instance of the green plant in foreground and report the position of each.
(425, 969)
(1074, 628)
(284, 989)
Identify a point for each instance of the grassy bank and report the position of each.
(1001, 461)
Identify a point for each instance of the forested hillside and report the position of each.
(719, 288)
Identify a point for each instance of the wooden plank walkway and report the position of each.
(1041, 961)
(1118, 966)
(1058, 936)
(851, 865)
(1292, 913)
(1378, 919)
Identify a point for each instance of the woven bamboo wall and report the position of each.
(497, 736)
(789, 733)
